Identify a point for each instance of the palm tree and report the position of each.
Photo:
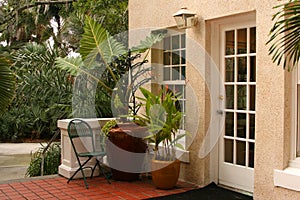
(285, 35)
(7, 84)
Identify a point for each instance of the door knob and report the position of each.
(220, 112)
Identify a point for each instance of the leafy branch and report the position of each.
(15, 12)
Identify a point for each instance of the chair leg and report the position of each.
(101, 169)
(81, 166)
(94, 168)
(84, 179)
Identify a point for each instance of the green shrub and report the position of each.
(16, 124)
(43, 95)
(52, 161)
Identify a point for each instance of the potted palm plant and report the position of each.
(162, 117)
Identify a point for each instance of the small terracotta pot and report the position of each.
(165, 174)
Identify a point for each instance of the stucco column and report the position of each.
(68, 159)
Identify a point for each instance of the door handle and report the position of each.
(220, 112)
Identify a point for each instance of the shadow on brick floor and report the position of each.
(210, 192)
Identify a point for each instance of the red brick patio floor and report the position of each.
(58, 188)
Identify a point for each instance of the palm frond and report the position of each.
(7, 85)
(284, 35)
(32, 54)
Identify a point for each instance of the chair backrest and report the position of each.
(79, 128)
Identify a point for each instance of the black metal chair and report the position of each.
(81, 131)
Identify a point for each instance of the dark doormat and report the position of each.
(210, 192)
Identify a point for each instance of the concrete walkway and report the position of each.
(15, 159)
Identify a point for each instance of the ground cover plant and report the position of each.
(52, 158)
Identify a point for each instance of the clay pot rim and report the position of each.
(165, 161)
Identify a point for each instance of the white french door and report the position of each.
(237, 143)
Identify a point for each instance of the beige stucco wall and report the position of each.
(272, 94)
(273, 123)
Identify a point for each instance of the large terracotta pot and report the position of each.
(119, 137)
(165, 174)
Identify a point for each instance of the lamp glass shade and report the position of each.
(184, 18)
(180, 21)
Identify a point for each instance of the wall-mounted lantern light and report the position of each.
(185, 18)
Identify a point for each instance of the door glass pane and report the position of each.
(179, 91)
(252, 97)
(175, 58)
(167, 75)
(167, 58)
(229, 96)
(229, 48)
(229, 76)
(251, 154)
(241, 125)
(183, 73)
(228, 150)
(167, 43)
(252, 40)
(241, 153)
(242, 41)
(175, 42)
(175, 73)
(183, 41)
(181, 106)
(252, 68)
(242, 69)
(252, 126)
(241, 97)
(229, 124)
(183, 57)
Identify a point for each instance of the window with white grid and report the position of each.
(174, 68)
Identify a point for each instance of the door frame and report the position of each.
(215, 27)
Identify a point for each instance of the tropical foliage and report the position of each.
(61, 20)
(33, 34)
(43, 94)
(111, 14)
(103, 62)
(40, 35)
(162, 118)
(30, 20)
(7, 84)
(284, 35)
(52, 160)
